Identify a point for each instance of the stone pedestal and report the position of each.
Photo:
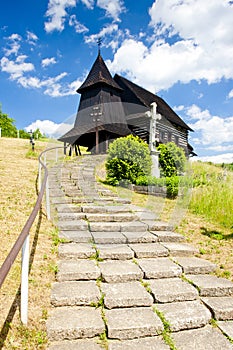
(155, 164)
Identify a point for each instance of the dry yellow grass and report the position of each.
(18, 175)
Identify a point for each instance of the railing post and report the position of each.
(47, 200)
(24, 281)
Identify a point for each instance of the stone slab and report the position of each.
(193, 265)
(105, 209)
(134, 226)
(82, 344)
(129, 323)
(185, 315)
(108, 237)
(148, 250)
(61, 200)
(172, 289)
(140, 237)
(227, 328)
(74, 323)
(212, 286)
(180, 249)
(207, 338)
(148, 343)
(221, 307)
(114, 251)
(168, 236)
(111, 217)
(79, 225)
(130, 294)
(120, 271)
(77, 270)
(75, 293)
(67, 208)
(76, 236)
(159, 268)
(69, 216)
(70, 251)
(105, 227)
(159, 226)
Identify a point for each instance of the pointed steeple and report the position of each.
(99, 74)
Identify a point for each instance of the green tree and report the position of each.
(172, 159)
(128, 158)
(8, 129)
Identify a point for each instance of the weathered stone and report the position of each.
(180, 249)
(76, 236)
(77, 270)
(129, 323)
(125, 295)
(140, 237)
(108, 237)
(207, 338)
(221, 307)
(185, 315)
(114, 251)
(168, 236)
(172, 289)
(79, 225)
(104, 209)
(75, 293)
(148, 343)
(71, 251)
(227, 328)
(159, 226)
(193, 265)
(211, 286)
(159, 268)
(105, 227)
(67, 208)
(134, 226)
(120, 271)
(70, 216)
(61, 200)
(81, 344)
(74, 323)
(115, 217)
(149, 250)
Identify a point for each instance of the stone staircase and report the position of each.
(125, 280)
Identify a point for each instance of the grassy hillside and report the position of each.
(18, 175)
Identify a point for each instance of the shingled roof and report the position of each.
(99, 73)
(146, 98)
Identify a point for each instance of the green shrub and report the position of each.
(128, 158)
(150, 181)
(172, 159)
(172, 184)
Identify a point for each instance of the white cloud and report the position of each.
(113, 8)
(48, 61)
(14, 44)
(49, 128)
(79, 27)
(107, 30)
(230, 95)
(31, 38)
(57, 14)
(201, 49)
(88, 3)
(217, 159)
(16, 68)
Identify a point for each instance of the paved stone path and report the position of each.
(125, 280)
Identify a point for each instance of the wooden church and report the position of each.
(111, 107)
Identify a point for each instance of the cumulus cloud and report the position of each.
(217, 159)
(57, 14)
(198, 45)
(32, 38)
(79, 27)
(110, 30)
(16, 68)
(48, 61)
(230, 95)
(13, 45)
(49, 128)
(113, 8)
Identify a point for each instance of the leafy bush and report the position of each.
(150, 181)
(172, 159)
(128, 158)
(172, 184)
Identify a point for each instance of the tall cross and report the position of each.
(99, 42)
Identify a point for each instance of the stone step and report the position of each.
(129, 294)
(74, 251)
(159, 268)
(108, 237)
(74, 323)
(227, 328)
(180, 249)
(79, 225)
(211, 286)
(118, 217)
(79, 293)
(130, 323)
(221, 307)
(185, 315)
(76, 236)
(69, 216)
(149, 250)
(206, 338)
(120, 271)
(168, 236)
(60, 200)
(140, 237)
(114, 251)
(96, 209)
(194, 265)
(68, 208)
(80, 270)
(159, 225)
(148, 343)
(167, 290)
(81, 344)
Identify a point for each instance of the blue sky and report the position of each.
(180, 49)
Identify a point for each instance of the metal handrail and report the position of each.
(22, 242)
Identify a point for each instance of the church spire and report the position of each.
(99, 42)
